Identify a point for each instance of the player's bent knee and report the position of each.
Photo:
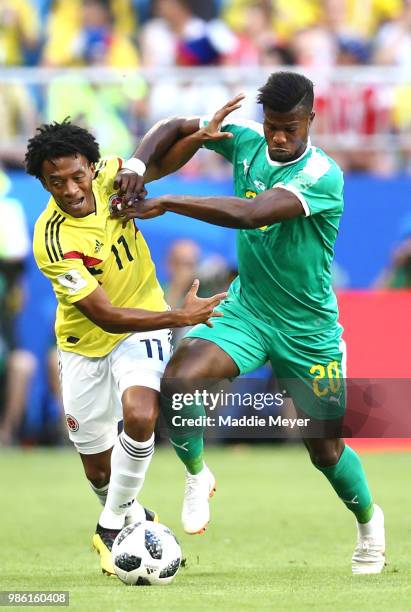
(325, 459)
(139, 421)
(325, 452)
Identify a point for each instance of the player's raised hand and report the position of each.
(130, 185)
(211, 131)
(200, 310)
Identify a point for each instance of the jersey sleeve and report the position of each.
(318, 185)
(69, 276)
(70, 279)
(243, 133)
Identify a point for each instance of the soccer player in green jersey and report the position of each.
(287, 208)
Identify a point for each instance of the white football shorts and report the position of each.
(92, 387)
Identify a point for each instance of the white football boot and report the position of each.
(196, 512)
(369, 554)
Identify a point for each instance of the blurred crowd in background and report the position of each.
(357, 117)
(149, 33)
(118, 66)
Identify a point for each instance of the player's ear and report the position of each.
(92, 167)
(312, 115)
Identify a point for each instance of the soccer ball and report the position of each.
(146, 553)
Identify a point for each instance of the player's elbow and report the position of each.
(255, 220)
(109, 327)
(173, 124)
(243, 216)
(105, 324)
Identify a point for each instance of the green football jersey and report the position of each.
(285, 268)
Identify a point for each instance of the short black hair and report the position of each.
(59, 140)
(285, 90)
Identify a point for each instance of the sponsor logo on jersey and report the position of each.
(98, 246)
(72, 423)
(260, 185)
(246, 166)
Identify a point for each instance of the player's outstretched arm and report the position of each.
(142, 167)
(184, 149)
(269, 207)
(169, 145)
(98, 308)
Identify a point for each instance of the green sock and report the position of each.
(186, 441)
(349, 481)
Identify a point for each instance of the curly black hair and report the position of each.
(59, 140)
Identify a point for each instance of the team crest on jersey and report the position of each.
(114, 202)
(72, 423)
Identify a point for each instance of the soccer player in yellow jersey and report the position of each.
(112, 323)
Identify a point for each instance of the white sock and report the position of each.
(129, 462)
(134, 513)
(101, 493)
(374, 526)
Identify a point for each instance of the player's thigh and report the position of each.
(86, 385)
(140, 360)
(237, 337)
(196, 364)
(312, 369)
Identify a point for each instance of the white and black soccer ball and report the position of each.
(146, 553)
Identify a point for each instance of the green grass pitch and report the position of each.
(279, 538)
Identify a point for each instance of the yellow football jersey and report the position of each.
(78, 254)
